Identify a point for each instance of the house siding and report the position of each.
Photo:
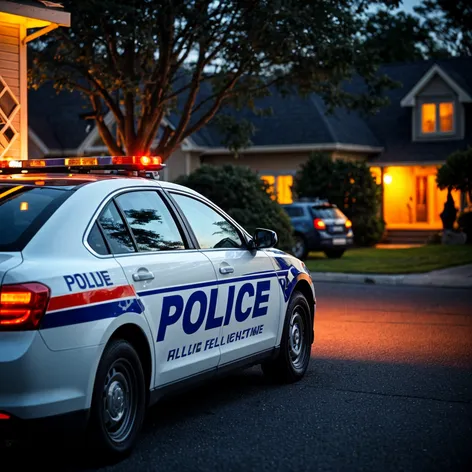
(10, 72)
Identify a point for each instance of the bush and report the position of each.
(244, 196)
(350, 186)
(465, 224)
(456, 173)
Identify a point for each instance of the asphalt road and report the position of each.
(389, 389)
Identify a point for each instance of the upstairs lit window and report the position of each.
(437, 118)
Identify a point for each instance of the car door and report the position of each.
(175, 282)
(249, 294)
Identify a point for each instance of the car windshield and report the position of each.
(327, 213)
(23, 211)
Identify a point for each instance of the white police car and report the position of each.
(115, 290)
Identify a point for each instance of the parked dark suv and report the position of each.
(319, 226)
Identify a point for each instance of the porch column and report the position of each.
(382, 172)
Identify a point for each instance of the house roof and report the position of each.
(296, 121)
(393, 126)
(40, 12)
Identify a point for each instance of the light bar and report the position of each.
(129, 163)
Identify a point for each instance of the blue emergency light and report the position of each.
(129, 165)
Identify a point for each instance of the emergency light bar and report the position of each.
(137, 165)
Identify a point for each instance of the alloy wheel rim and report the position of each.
(297, 344)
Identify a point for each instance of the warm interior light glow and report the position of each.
(446, 113)
(428, 118)
(387, 179)
(284, 189)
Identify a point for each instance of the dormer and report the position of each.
(437, 103)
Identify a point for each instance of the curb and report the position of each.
(413, 280)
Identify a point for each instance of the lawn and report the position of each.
(392, 261)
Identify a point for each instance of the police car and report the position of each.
(117, 288)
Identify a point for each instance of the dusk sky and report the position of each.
(408, 5)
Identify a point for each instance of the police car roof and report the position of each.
(59, 180)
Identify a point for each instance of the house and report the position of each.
(20, 23)
(429, 116)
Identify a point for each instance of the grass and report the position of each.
(392, 261)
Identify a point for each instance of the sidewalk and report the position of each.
(454, 277)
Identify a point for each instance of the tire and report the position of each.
(300, 248)
(288, 366)
(118, 402)
(334, 253)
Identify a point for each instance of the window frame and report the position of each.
(242, 233)
(437, 101)
(181, 226)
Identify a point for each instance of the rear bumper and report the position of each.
(67, 424)
(37, 383)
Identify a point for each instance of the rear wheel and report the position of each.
(334, 253)
(295, 346)
(119, 401)
(300, 249)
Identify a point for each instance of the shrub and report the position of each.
(244, 196)
(456, 173)
(350, 186)
(465, 224)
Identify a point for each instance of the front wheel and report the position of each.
(119, 401)
(295, 347)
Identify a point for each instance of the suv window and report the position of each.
(24, 210)
(115, 230)
(328, 213)
(151, 223)
(210, 228)
(294, 211)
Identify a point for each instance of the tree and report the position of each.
(141, 60)
(450, 21)
(456, 173)
(351, 187)
(399, 37)
(244, 196)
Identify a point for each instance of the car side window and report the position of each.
(151, 222)
(97, 242)
(210, 228)
(115, 230)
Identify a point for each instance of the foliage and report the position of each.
(456, 173)
(244, 196)
(383, 29)
(465, 224)
(142, 60)
(451, 23)
(350, 186)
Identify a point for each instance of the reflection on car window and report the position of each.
(96, 241)
(328, 212)
(210, 228)
(115, 230)
(153, 227)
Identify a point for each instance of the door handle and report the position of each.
(142, 274)
(226, 270)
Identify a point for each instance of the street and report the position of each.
(389, 389)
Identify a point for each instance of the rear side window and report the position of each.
(327, 213)
(115, 230)
(294, 211)
(24, 210)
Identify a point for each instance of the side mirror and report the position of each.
(264, 238)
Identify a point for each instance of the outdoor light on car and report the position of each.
(348, 224)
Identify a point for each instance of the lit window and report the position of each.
(284, 189)
(428, 118)
(446, 111)
(433, 114)
(270, 180)
(280, 187)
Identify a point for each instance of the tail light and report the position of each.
(22, 306)
(348, 224)
(4, 416)
(318, 223)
